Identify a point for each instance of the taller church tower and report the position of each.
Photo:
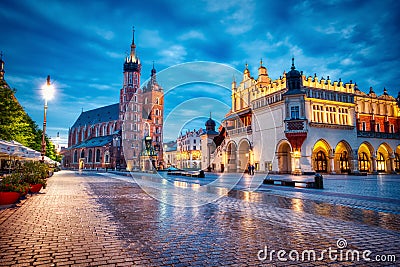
(130, 108)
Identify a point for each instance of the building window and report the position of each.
(364, 126)
(363, 162)
(194, 147)
(321, 162)
(157, 101)
(98, 155)
(76, 156)
(82, 154)
(391, 128)
(107, 157)
(380, 162)
(294, 112)
(90, 155)
(378, 127)
(194, 141)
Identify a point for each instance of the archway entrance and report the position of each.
(320, 156)
(284, 158)
(244, 155)
(397, 159)
(343, 155)
(231, 157)
(383, 163)
(364, 157)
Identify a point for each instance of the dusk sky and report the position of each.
(82, 45)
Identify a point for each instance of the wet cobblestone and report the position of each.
(91, 220)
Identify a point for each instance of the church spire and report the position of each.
(133, 45)
(153, 71)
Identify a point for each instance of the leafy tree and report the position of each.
(16, 124)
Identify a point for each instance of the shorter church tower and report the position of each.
(153, 109)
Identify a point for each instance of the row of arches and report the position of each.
(92, 156)
(343, 158)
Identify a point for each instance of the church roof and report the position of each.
(98, 115)
(95, 142)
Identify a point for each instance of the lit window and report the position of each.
(294, 112)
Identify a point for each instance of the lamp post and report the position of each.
(48, 92)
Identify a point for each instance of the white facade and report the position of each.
(298, 124)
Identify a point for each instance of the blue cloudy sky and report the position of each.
(82, 45)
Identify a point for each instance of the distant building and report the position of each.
(189, 150)
(170, 152)
(112, 136)
(298, 124)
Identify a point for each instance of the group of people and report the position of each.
(250, 169)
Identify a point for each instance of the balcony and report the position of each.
(240, 131)
(295, 126)
(367, 134)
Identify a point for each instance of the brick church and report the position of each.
(113, 136)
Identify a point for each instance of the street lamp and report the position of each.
(48, 93)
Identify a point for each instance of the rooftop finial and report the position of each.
(133, 35)
(261, 62)
(48, 80)
(293, 67)
(1, 55)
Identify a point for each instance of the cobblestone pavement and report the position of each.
(88, 218)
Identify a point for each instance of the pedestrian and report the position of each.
(249, 169)
(252, 169)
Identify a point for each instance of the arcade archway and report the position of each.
(244, 154)
(365, 157)
(284, 157)
(320, 156)
(343, 156)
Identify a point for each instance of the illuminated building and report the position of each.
(113, 136)
(188, 153)
(298, 124)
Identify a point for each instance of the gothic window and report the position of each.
(157, 101)
(98, 155)
(135, 99)
(363, 162)
(294, 112)
(364, 126)
(391, 128)
(130, 78)
(344, 162)
(90, 156)
(380, 162)
(82, 153)
(321, 162)
(378, 127)
(76, 156)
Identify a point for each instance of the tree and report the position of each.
(17, 125)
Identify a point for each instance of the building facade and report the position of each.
(189, 150)
(298, 124)
(113, 136)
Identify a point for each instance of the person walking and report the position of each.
(252, 169)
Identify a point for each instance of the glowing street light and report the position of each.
(48, 93)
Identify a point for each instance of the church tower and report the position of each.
(153, 109)
(130, 108)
